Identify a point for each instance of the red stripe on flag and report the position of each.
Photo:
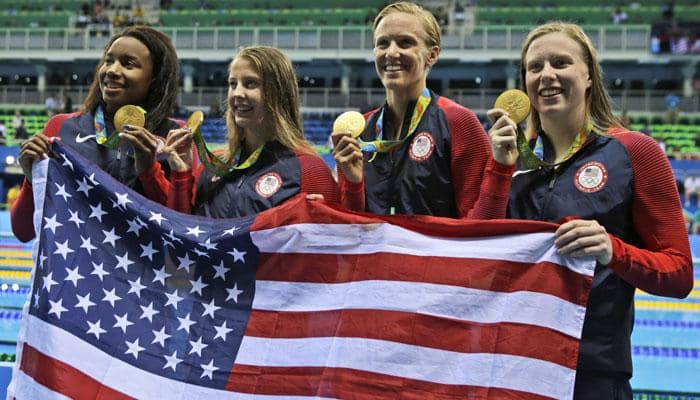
(298, 210)
(353, 384)
(415, 329)
(63, 378)
(494, 275)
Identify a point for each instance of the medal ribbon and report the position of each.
(534, 159)
(101, 137)
(218, 166)
(382, 146)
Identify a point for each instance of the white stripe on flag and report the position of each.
(413, 362)
(447, 301)
(117, 374)
(376, 238)
(29, 389)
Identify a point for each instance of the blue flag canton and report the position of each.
(166, 292)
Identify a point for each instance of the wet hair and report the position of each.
(598, 109)
(280, 94)
(427, 20)
(162, 95)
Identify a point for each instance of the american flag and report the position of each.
(133, 300)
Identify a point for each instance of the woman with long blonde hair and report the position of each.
(268, 159)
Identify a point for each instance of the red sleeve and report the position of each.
(183, 189)
(480, 184)
(352, 195)
(316, 178)
(22, 212)
(155, 185)
(663, 266)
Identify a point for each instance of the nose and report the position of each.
(114, 68)
(393, 50)
(547, 72)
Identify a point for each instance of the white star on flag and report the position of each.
(96, 212)
(84, 302)
(149, 312)
(111, 237)
(95, 328)
(57, 308)
(185, 323)
(172, 361)
(134, 348)
(73, 276)
(122, 322)
(110, 296)
(62, 191)
(122, 200)
(160, 337)
(158, 217)
(51, 223)
(208, 369)
(75, 218)
(238, 255)
(148, 251)
(195, 231)
(233, 293)
(87, 245)
(197, 346)
(63, 249)
(98, 269)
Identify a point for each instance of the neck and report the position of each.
(397, 104)
(562, 133)
(253, 140)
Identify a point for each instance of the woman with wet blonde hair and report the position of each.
(420, 153)
(268, 159)
(612, 191)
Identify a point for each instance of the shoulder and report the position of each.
(641, 148)
(455, 112)
(309, 160)
(54, 124)
(633, 140)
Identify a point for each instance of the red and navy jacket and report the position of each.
(624, 181)
(77, 130)
(277, 175)
(445, 168)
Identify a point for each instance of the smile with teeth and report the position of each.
(392, 67)
(550, 92)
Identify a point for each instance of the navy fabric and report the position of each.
(550, 194)
(244, 192)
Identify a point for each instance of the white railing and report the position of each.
(358, 98)
(617, 40)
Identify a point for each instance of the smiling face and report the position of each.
(245, 95)
(556, 76)
(402, 57)
(125, 74)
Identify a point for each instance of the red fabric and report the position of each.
(664, 266)
(155, 185)
(480, 184)
(316, 178)
(352, 194)
(22, 212)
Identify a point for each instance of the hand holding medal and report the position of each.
(347, 129)
(516, 105)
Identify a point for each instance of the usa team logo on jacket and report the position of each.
(591, 177)
(268, 184)
(422, 147)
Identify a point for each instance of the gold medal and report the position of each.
(350, 121)
(195, 121)
(515, 103)
(129, 115)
